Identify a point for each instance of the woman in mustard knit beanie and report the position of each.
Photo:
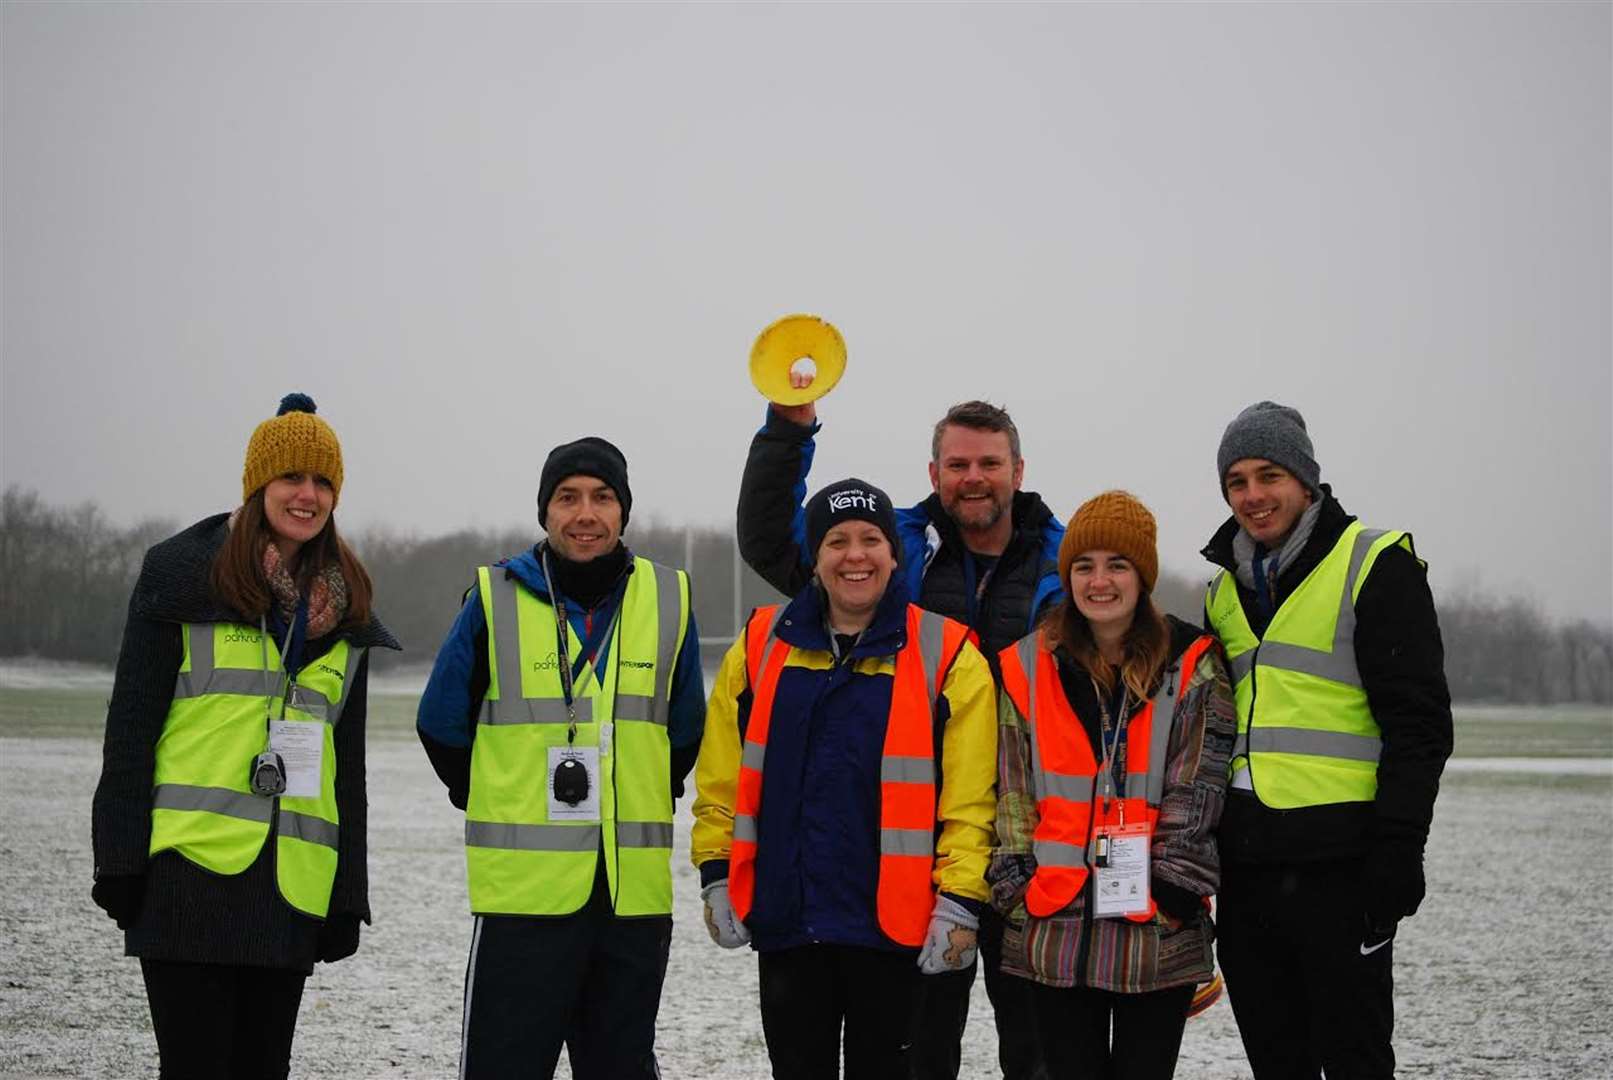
(229, 822)
(1116, 723)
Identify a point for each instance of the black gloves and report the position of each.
(1393, 885)
(120, 896)
(338, 939)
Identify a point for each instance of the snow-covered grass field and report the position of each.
(1506, 972)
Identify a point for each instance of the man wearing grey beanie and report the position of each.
(1344, 725)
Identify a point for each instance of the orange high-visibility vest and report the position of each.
(1069, 793)
(907, 788)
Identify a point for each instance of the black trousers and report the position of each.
(810, 992)
(590, 981)
(943, 1011)
(1307, 999)
(222, 1020)
(1100, 1035)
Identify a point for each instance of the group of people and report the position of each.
(970, 730)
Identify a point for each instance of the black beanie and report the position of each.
(849, 500)
(588, 456)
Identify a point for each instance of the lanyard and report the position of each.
(562, 627)
(1110, 787)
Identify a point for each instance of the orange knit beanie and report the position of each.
(1113, 521)
(294, 440)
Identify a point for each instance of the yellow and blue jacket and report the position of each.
(818, 852)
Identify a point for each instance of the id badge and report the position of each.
(301, 745)
(588, 808)
(1121, 886)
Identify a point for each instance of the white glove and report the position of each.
(950, 942)
(721, 922)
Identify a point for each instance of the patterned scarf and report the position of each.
(327, 593)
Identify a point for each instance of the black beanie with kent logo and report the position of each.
(849, 500)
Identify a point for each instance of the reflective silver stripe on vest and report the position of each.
(307, 827)
(639, 707)
(353, 656)
(223, 680)
(509, 707)
(1338, 664)
(1027, 662)
(493, 834)
(1174, 681)
(1065, 786)
(1058, 853)
(745, 828)
(193, 683)
(932, 628)
(535, 711)
(668, 604)
(907, 770)
(1241, 665)
(212, 800)
(1334, 744)
(1240, 745)
(906, 842)
(309, 701)
(752, 754)
(644, 834)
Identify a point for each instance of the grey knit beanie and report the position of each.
(1273, 432)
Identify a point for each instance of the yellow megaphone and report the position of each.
(788, 340)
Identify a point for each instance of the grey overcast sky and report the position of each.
(473, 232)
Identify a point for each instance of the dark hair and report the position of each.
(237, 574)
(1147, 645)
(981, 416)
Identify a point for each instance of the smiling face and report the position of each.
(296, 507)
(584, 518)
(854, 564)
(1104, 587)
(976, 475)
(1266, 499)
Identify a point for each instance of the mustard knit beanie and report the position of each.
(1114, 521)
(295, 440)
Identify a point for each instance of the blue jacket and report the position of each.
(817, 863)
(446, 720)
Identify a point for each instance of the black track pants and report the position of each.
(1306, 998)
(1100, 1035)
(943, 1010)
(810, 992)
(589, 981)
(222, 1020)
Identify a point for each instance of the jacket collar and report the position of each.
(1028, 512)
(1329, 524)
(527, 568)
(804, 626)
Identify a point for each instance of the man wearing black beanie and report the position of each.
(592, 685)
(1344, 725)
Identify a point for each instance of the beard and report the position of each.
(973, 515)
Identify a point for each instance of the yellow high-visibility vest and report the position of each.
(1305, 731)
(518, 860)
(230, 684)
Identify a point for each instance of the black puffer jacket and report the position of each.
(190, 914)
(1401, 658)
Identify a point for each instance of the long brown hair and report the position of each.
(237, 575)
(1146, 646)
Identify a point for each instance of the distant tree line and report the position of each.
(66, 574)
